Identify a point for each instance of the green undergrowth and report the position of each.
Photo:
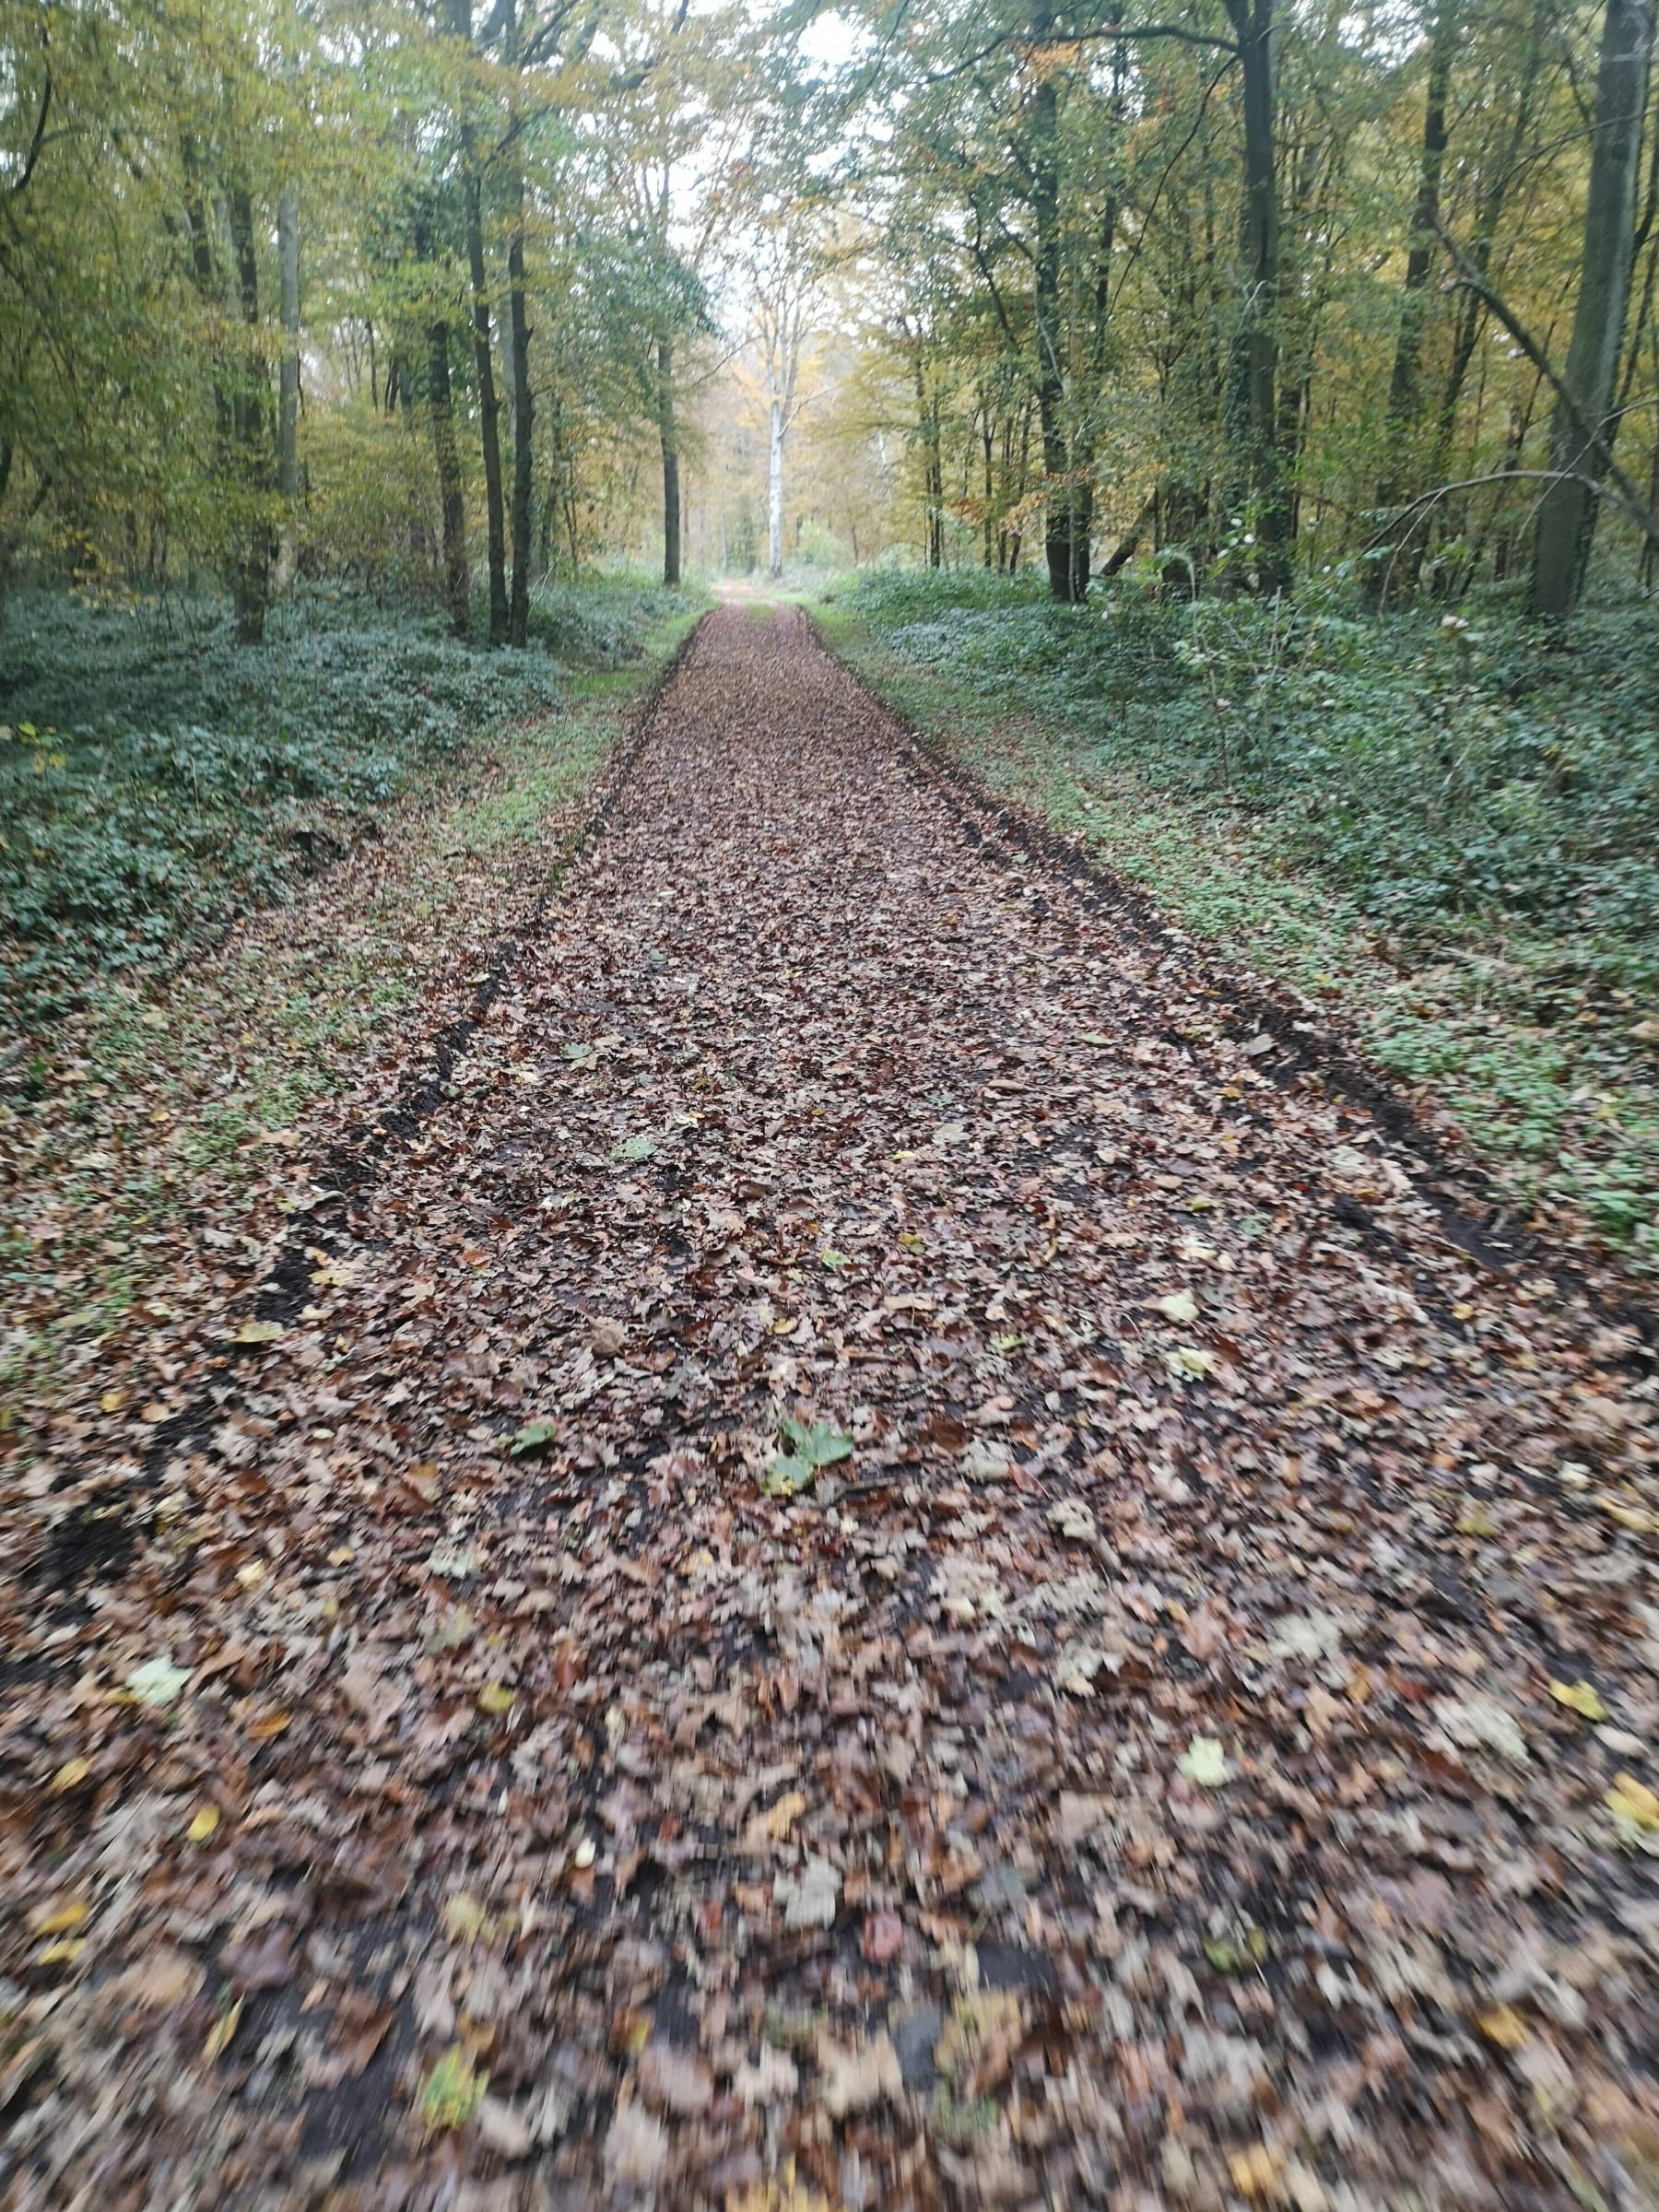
(158, 778)
(133, 1131)
(1448, 836)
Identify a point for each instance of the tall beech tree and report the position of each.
(1581, 432)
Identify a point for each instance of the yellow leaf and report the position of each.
(207, 1819)
(69, 1776)
(1632, 1517)
(784, 1326)
(223, 2031)
(112, 1400)
(257, 1332)
(1180, 1305)
(495, 1696)
(782, 2194)
(784, 1813)
(59, 1914)
(1503, 2026)
(465, 1919)
(272, 1725)
(63, 1952)
(1633, 1801)
(1256, 2172)
(1189, 1360)
(1581, 1697)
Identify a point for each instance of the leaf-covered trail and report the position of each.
(1175, 1757)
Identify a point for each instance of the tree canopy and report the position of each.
(411, 293)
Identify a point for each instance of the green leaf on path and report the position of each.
(535, 1436)
(808, 1448)
(452, 2091)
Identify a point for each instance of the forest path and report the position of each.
(1135, 1766)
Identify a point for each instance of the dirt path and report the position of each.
(1132, 1774)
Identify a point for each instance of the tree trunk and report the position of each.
(1471, 315)
(987, 443)
(524, 446)
(457, 580)
(250, 574)
(1567, 511)
(1259, 461)
(288, 405)
(933, 470)
(668, 434)
(1067, 561)
(489, 414)
(774, 493)
(1405, 381)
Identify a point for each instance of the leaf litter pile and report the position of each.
(865, 1569)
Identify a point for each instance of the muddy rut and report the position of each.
(872, 1573)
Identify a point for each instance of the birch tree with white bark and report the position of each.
(790, 300)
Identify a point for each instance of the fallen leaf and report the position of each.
(784, 1813)
(1581, 1697)
(808, 1900)
(157, 1682)
(674, 2082)
(1180, 1306)
(1205, 1762)
(854, 2080)
(1634, 1804)
(59, 1914)
(1476, 1723)
(1503, 2026)
(502, 2129)
(257, 1332)
(773, 2078)
(1191, 1362)
(453, 2090)
(222, 2033)
(883, 1938)
(1257, 2172)
(535, 1436)
(204, 1824)
(636, 2149)
(808, 1447)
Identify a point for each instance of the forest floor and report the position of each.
(860, 1552)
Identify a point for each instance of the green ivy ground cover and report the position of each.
(157, 777)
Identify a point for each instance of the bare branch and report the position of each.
(1623, 490)
(20, 183)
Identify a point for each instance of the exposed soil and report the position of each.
(1194, 1746)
